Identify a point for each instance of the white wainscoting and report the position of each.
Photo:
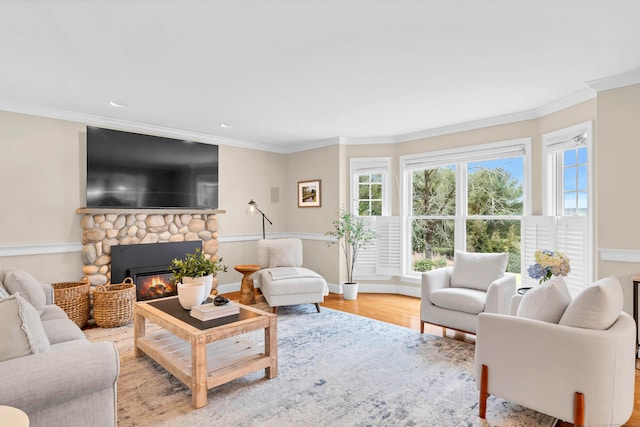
(619, 255)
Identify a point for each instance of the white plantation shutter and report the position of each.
(366, 262)
(572, 240)
(565, 234)
(382, 257)
(537, 233)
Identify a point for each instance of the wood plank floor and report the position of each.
(405, 311)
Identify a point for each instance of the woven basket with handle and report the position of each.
(113, 304)
(73, 298)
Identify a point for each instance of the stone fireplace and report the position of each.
(104, 229)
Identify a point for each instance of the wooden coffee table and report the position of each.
(203, 355)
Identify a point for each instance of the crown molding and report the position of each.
(584, 95)
(613, 82)
(124, 125)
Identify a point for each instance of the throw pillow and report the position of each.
(30, 289)
(22, 333)
(3, 292)
(477, 270)
(546, 302)
(285, 253)
(279, 258)
(596, 307)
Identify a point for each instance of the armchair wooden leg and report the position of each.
(444, 331)
(484, 385)
(274, 310)
(578, 410)
(421, 327)
(318, 307)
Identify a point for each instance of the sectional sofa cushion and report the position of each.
(29, 288)
(477, 270)
(596, 307)
(21, 331)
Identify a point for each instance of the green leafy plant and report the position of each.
(195, 264)
(352, 234)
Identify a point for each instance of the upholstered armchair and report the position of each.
(452, 297)
(577, 366)
(282, 279)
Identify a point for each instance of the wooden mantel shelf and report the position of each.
(97, 211)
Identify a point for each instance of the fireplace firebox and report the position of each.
(153, 282)
(149, 266)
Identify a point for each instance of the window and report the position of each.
(369, 186)
(567, 224)
(471, 199)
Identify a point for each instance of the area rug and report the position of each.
(335, 369)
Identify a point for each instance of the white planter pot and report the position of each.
(350, 290)
(206, 280)
(190, 294)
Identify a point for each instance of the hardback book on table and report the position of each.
(210, 311)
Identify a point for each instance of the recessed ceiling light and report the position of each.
(118, 104)
(224, 125)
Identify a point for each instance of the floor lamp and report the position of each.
(253, 209)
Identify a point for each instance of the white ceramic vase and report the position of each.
(350, 290)
(207, 281)
(190, 294)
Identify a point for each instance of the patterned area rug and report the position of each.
(335, 369)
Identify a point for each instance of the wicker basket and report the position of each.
(73, 298)
(113, 304)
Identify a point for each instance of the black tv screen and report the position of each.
(129, 170)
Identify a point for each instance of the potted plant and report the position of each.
(352, 234)
(196, 268)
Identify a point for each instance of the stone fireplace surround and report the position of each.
(104, 228)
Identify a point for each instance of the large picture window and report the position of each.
(471, 200)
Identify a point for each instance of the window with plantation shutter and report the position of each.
(568, 198)
(564, 234)
(383, 256)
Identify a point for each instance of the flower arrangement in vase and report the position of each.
(549, 263)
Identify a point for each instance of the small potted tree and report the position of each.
(196, 268)
(352, 235)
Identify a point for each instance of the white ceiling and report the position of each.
(286, 74)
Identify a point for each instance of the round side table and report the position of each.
(13, 417)
(247, 292)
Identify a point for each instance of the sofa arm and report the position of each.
(432, 280)
(48, 293)
(499, 294)
(541, 365)
(43, 380)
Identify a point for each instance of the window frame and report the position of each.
(361, 165)
(557, 142)
(460, 157)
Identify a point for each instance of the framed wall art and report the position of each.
(309, 194)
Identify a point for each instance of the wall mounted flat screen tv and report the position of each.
(129, 170)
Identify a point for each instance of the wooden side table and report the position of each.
(247, 292)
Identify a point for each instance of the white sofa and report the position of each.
(282, 279)
(48, 368)
(452, 297)
(580, 369)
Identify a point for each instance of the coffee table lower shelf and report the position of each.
(226, 360)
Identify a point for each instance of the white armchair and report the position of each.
(282, 279)
(581, 370)
(452, 297)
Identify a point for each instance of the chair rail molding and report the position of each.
(619, 255)
(40, 249)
